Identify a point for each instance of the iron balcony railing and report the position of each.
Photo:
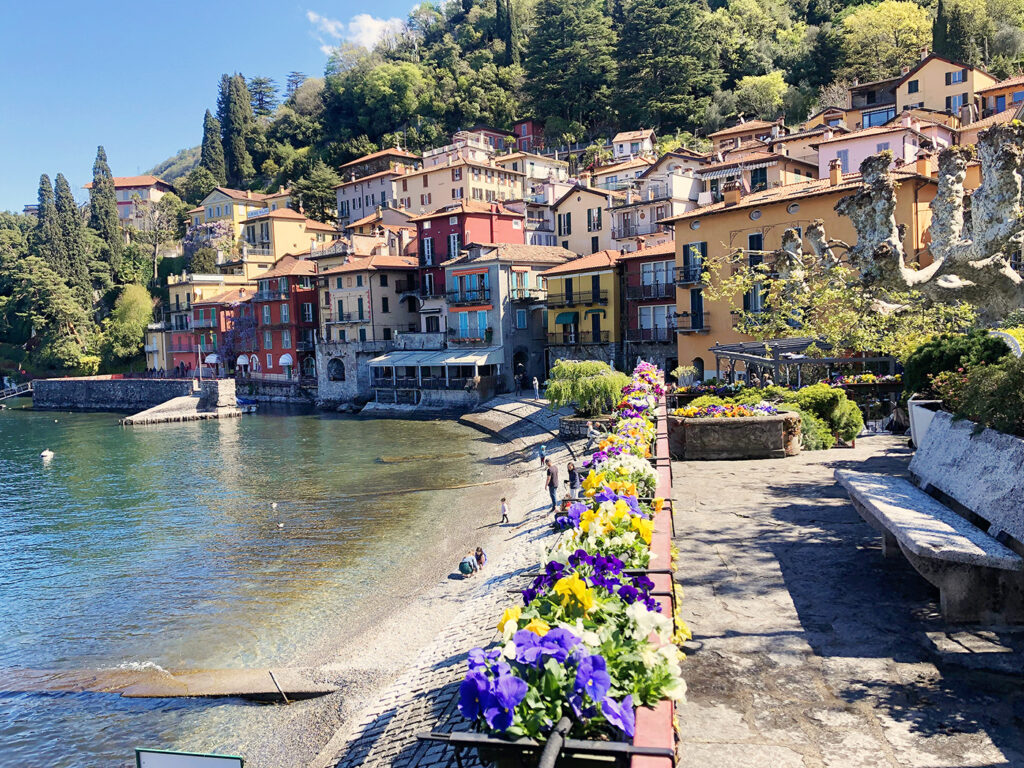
(428, 292)
(270, 295)
(470, 339)
(304, 346)
(346, 317)
(689, 274)
(635, 230)
(577, 299)
(535, 224)
(657, 334)
(568, 338)
(692, 322)
(474, 296)
(204, 322)
(651, 291)
(526, 294)
(180, 347)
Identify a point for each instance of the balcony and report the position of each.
(462, 298)
(539, 225)
(431, 292)
(256, 250)
(659, 334)
(151, 348)
(690, 322)
(204, 322)
(651, 291)
(181, 347)
(580, 338)
(304, 346)
(345, 317)
(577, 299)
(526, 294)
(270, 295)
(406, 286)
(690, 274)
(636, 230)
(470, 339)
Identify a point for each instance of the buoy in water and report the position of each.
(273, 505)
(46, 454)
(280, 525)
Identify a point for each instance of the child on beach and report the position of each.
(543, 455)
(468, 566)
(481, 558)
(504, 510)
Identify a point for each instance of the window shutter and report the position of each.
(568, 223)
(949, 80)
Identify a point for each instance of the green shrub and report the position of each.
(820, 399)
(850, 421)
(592, 386)
(993, 395)
(815, 434)
(706, 400)
(947, 353)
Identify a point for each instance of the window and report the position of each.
(359, 281)
(453, 245)
(481, 323)
(266, 314)
(286, 339)
(285, 313)
(433, 324)
(456, 193)
(758, 179)
(307, 312)
(359, 308)
(565, 223)
(843, 156)
(634, 147)
(476, 193)
(655, 316)
(218, 210)
(521, 319)
(960, 76)
(405, 185)
(341, 309)
(268, 340)
(270, 362)
(878, 117)
(383, 281)
(456, 174)
(387, 334)
(593, 219)
(1000, 103)
(227, 209)
(337, 283)
(1018, 96)
(426, 180)
(912, 86)
(881, 146)
(362, 334)
(517, 224)
(384, 307)
(595, 244)
(954, 103)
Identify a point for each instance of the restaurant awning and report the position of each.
(242, 360)
(476, 357)
(212, 359)
(567, 318)
(429, 358)
(286, 359)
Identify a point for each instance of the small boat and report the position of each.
(246, 400)
(46, 454)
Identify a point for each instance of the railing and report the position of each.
(651, 291)
(469, 341)
(256, 250)
(431, 293)
(634, 230)
(16, 390)
(304, 346)
(576, 299)
(406, 286)
(539, 225)
(151, 348)
(347, 317)
(526, 294)
(177, 347)
(204, 322)
(269, 295)
(430, 382)
(658, 333)
(457, 298)
(689, 274)
(578, 338)
(689, 322)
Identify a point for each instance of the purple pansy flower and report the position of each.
(592, 677)
(474, 694)
(620, 714)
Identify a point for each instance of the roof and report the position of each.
(288, 213)
(801, 189)
(643, 133)
(819, 128)
(319, 226)
(467, 206)
(392, 152)
(661, 249)
(520, 252)
(459, 162)
(930, 58)
(873, 83)
(679, 154)
(289, 265)
(751, 125)
(134, 181)
(230, 296)
(517, 155)
(374, 262)
(489, 128)
(375, 216)
(997, 119)
(880, 130)
(592, 263)
(603, 194)
(752, 157)
(400, 171)
(636, 162)
(1009, 82)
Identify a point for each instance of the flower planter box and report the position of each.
(754, 437)
(921, 413)
(575, 427)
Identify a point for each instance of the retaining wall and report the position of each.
(106, 393)
(755, 437)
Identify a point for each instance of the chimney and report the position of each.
(731, 193)
(966, 114)
(248, 194)
(835, 172)
(923, 164)
(856, 82)
(904, 70)
(924, 53)
(640, 243)
(827, 134)
(906, 122)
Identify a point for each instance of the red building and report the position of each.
(217, 323)
(494, 137)
(286, 318)
(649, 304)
(441, 234)
(529, 134)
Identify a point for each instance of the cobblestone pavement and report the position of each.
(810, 649)
(424, 698)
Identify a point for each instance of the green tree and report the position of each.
(211, 157)
(575, 39)
(761, 95)
(197, 184)
(667, 69)
(263, 92)
(315, 192)
(940, 30)
(204, 261)
(157, 224)
(124, 330)
(877, 40)
(964, 33)
(295, 79)
(71, 243)
(45, 240)
(103, 209)
(237, 130)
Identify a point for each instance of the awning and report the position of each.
(567, 318)
(242, 360)
(212, 359)
(602, 312)
(430, 358)
(735, 170)
(286, 359)
(476, 357)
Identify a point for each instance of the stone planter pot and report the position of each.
(755, 437)
(921, 413)
(575, 427)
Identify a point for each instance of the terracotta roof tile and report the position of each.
(393, 152)
(134, 181)
(661, 249)
(536, 254)
(594, 261)
(643, 133)
(467, 206)
(750, 125)
(289, 265)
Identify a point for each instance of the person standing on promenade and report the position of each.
(543, 455)
(552, 483)
(504, 510)
(518, 384)
(536, 389)
(574, 480)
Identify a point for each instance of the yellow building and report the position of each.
(431, 188)
(582, 221)
(942, 85)
(754, 225)
(583, 308)
(156, 347)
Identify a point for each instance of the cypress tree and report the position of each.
(212, 152)
(45, 239)
(940, 31)
(70, 238)
(103, 209)
(237, 131)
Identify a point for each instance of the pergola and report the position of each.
(780, 355)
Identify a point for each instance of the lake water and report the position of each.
(160, 546)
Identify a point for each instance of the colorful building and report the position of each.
(361, 196)
(753, 170)
(430, 188)
(285, 308)
(1005, 94)
(183, 291)
(222, 331)
(648, 291)
(537, 168)
(668, 187)
(906, 138)
(581, 221)
(731, 137)
(369, 298)
(630, 144)
(529, 134)
(939, 84)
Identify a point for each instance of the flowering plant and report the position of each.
(727, 411)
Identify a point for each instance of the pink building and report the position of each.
(905, 136)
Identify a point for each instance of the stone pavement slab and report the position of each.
(810, 649)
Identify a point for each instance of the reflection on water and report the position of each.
(162, 545)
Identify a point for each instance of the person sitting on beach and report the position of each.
(481, 558)
(468, 565)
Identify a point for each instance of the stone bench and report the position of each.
(971, 547)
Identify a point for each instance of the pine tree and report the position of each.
(961, 37)
(103, 209)
(45, 239)
(666, 74)
(223, 100)
(263, 91)
(70, 238)
(295, 79)
(315, 192)
(237, 130)
(570, 67)
(212, 152)
(940, 30)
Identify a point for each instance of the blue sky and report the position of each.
(137, 77)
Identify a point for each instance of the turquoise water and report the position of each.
(160, 546)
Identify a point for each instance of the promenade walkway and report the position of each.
(812, 650)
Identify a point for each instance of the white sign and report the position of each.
(161, 758)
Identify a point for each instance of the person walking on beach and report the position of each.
(552, 483)
(504, 510)
(481, 558)
(468, 565)
(574, 480)
(536, 389)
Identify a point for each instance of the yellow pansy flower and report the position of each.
(573, 588)
(644, 527)
(658, 503)
(511, 614)
(592, 483)
(539, 627)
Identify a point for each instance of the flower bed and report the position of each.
(592, 641)
(745, 436)
(728, 411)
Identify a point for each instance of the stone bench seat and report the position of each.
(922, 525)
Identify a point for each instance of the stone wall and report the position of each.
(608, 353)
(757, 437)
(217, 393)
(575, 427)
(104, 393)
(663, 354)
(275, 391)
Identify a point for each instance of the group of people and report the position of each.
(518, 381)
(473, 562)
